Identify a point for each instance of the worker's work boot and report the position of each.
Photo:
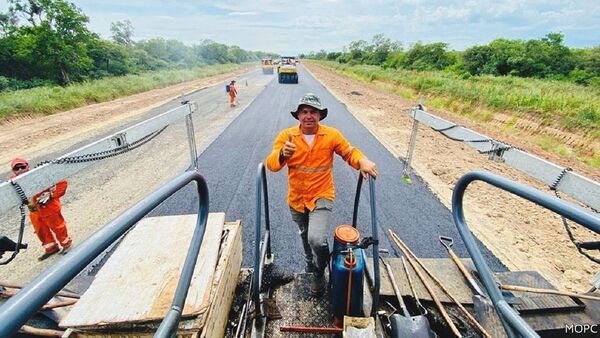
(318, 284)
(48, 254)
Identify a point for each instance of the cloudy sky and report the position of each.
(297, 26)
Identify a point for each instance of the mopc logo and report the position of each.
(582, 328)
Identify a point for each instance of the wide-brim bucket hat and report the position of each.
(311, 100)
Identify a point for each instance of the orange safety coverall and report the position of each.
(48, 221)
(310, 169)
(232, 94)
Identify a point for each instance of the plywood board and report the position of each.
(138, 282)
(444, 270)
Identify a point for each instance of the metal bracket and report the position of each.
(120, 140)
(497, 151)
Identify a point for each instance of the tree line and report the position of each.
(547, 58)
(47, 42)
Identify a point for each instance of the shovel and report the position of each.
(406, 325)
(482, 306)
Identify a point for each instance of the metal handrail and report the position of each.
(374, 234)
(265, 251)
(510, 318)
(19, 308)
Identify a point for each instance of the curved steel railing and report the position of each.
(510, 318)
(261, 186)
(19, 308)
(374, 234)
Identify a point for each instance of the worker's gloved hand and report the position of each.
(44, 198)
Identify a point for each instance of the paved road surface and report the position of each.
(230, 164)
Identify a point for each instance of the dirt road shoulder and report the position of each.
(522, 235)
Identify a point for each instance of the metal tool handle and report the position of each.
(422, 309)
(388, 268)
(472, 283)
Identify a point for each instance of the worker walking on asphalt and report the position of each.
(307, 150)
(45, 214)
(232, 93)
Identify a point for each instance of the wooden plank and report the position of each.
(443, 268)
(214, 321)
(138, 281)
(486, 315)
(224, 285)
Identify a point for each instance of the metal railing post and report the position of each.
(266, 204)
(510, 317)
(189, 123)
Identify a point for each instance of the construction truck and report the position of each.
(287, 73)
(267, 66)
(289, 60)
(201, 290)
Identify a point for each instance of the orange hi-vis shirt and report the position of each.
(310, 169)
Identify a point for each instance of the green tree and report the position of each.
(213, 52)
(122, 32)
(507, 55)
(53, 43)
(477, 60)
(380, 49)
(431, 56)
(590, 60)
(357, 49)
(109, 59)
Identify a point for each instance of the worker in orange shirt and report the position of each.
(45, 214)
(307, 150)
(232, 93)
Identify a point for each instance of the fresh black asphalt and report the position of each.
(230, 164)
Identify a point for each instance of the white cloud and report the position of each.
(242, 13)
(292, 26)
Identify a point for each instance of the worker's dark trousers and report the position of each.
(314, 227)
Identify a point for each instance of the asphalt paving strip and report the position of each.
(230, 164)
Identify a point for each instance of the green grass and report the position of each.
(554, 146)
(49, 100)
(562, 105)
(566, 105)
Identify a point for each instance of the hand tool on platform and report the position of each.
(420, 306)
(410, 255)
(66, 294)
(436, 300)
(546, 291)
(484, 310)
(406, 325)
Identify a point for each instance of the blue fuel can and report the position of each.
(347, 274)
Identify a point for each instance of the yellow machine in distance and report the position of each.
(287, 71)
(267, 66)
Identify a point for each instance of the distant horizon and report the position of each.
(293, 28)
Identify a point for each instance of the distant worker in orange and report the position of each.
(45, 214)
(232, 93)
